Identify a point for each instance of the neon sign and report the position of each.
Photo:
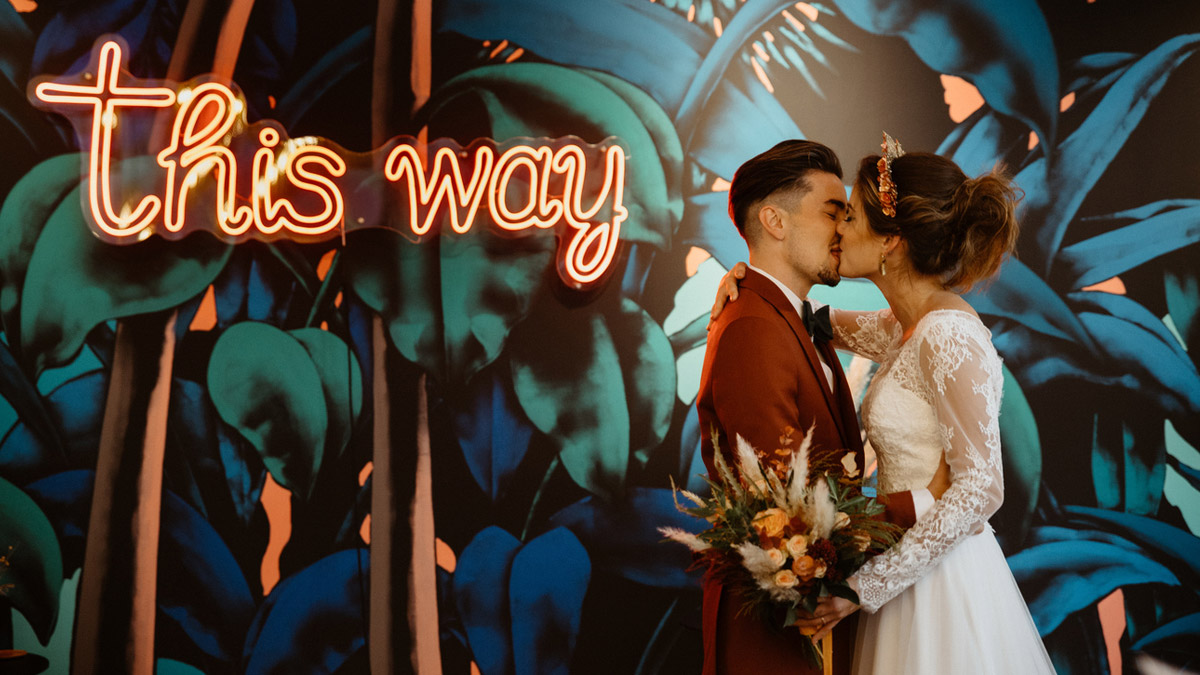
(213, 171)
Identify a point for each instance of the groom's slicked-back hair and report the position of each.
(784, 167)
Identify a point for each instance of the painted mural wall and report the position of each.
(375, 452)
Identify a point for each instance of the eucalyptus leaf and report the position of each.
(61, 303)
(26, 210)
(341, 381)
(31, 566)
(568, 380)
(648, 364)
(263, 382)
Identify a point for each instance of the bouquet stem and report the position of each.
(827, 654)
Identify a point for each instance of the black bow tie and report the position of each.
(817, 323)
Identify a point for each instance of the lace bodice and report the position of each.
(935, 395)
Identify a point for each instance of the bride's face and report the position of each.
(861, 246)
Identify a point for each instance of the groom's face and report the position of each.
(812, 244)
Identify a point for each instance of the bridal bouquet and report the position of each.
(785, 533)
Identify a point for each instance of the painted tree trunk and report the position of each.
(115, 613)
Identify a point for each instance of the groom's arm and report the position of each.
(754, 378)
(905, 508)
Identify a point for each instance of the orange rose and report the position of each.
(804, 567)
(770, 523)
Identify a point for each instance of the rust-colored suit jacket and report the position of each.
(761, 375)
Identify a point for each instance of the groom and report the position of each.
(763, 373)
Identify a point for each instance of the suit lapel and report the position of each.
(771, 293)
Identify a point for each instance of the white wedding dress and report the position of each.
(943, 601)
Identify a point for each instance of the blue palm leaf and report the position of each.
(1055, 191)
(662, 61)
(1004, 49)
(1061, 577)
(1106, 255)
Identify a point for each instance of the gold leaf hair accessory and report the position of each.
(887, 188)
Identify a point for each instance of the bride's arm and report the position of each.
(867, 334)
(963, 377)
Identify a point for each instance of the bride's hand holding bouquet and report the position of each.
(786, 530)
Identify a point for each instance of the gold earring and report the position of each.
(883, 265)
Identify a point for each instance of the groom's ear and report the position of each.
(771, 220)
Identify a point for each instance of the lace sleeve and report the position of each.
(867, 334)
(962, 372)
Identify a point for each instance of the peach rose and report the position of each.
(819, 569)
(770, 523)
(786, 579)
(797, 545)
(778, 558)
(841, 520)
(804, 567)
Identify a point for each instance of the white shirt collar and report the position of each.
(796, 300)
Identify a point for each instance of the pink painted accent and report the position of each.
(1112, 623)
(720, 185)
(422, 605)
(808, 10)
(692, 12)
(1066, 102)
(23, 5)
(717, 27)
(445, 556)
(762, 53)
(1113, 285)
(474, 667)
(694, 258)
(1033, 140)
(515, 55)
(962, 97)
(794, 21)
(325, 264)
(229, 44)
(206, 315)
(366, 471)
(762, 75)
(365, 530)
(149, 512)
(277, 502)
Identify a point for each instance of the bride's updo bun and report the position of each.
(957, 228)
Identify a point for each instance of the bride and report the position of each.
(943, 600)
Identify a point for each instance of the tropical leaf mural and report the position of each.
(553, 420)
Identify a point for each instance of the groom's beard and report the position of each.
(828, 276)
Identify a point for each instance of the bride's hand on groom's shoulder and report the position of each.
(727, 290)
